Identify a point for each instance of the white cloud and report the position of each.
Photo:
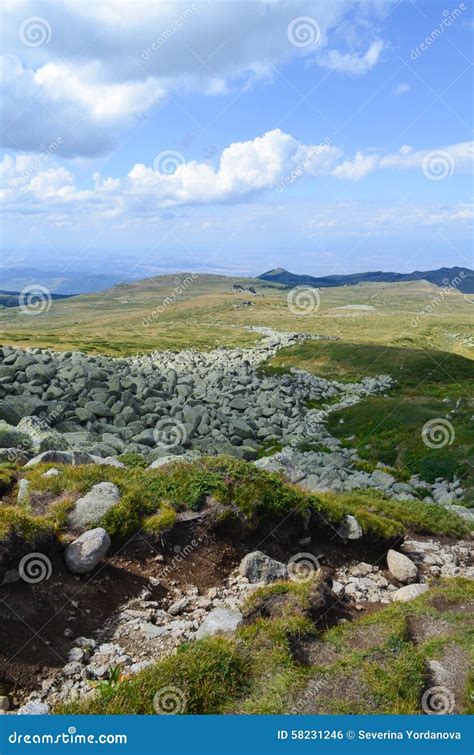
(267, 164)
(401, 88)
(352, 62)
(107, 64)
(451, 158)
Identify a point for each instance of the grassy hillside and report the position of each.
(178, 311)
(387, 429)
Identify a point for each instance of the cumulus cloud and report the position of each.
(102, 66)
(267, 165)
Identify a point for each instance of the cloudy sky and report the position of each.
(323, 137)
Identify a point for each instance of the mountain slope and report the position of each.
(458, 277)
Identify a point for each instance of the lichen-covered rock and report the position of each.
(94, 505)
(42, 436)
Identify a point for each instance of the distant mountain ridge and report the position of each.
(66, 283)
(461, 278)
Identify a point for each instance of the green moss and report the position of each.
(133, 460)
(7, 478)
(160, 522)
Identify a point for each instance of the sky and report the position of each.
(322, 137)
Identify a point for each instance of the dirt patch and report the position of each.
(449, 674)
(424, 628)
(333, 692)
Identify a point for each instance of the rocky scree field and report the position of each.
(198, 520)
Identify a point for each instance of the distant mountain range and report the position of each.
(461, 278)
(65, 283)
(12, 298)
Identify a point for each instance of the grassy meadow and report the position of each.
(185, 310)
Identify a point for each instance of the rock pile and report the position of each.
(158, 404)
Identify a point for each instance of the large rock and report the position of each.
(409, 592)
(401, 567)
(219, 621)
(33, 708)
(42, 437)
(351, 530)
(258, 567)
(11, 437)
(91, 507)
(82, 555)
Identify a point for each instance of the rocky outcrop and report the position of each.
(94, 505)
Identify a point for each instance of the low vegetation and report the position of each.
(371, 665)
(152, 499)
(430, 385)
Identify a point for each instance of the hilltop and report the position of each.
(460, 277)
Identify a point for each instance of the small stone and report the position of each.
(33, 708)
(4, 702)
(409, 592)
(219, 621)
(178, 607)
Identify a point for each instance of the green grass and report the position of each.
(388, 429)
(127, 319)
(202, 677)
(151, 498)
(374, 665)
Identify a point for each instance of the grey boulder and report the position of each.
(82, 555)
(401, 567)
(219, 621)
(94, 505)
(409, 592)
(258, 567)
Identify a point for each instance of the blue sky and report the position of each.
(323, 137)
